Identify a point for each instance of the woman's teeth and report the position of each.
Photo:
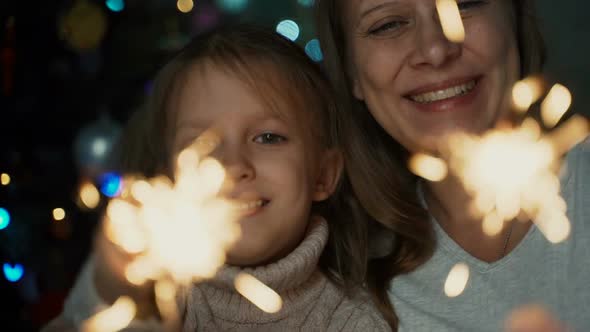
(433, 96)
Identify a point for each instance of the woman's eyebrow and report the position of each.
(376, 8)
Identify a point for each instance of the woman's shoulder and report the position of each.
(577, 165)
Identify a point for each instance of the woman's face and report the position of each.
(418, 85)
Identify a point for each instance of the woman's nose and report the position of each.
(433, 49)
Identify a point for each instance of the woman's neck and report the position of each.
(450, 205)
(448, 202)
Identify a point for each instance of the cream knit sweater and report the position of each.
(310, 301)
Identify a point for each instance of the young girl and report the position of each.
(271, 110)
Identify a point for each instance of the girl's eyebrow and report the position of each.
(188, 125)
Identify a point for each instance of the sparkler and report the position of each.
(510, 172)
(179, 233)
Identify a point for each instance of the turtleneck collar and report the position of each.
(292, 277)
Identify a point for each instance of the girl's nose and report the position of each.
(238, 167)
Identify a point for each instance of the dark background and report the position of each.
(65, 85)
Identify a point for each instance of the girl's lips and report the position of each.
(250, 207)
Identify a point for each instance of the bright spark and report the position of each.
(115, 318)
(450, 20)
(258, 293)
(555, 105)
(457, 280)
(428, 167)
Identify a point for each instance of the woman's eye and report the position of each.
(387, 27)
(269, 138)
(469, 4)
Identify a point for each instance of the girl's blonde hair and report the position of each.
(377, 163)
(279, 71)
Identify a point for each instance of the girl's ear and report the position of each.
(356, 90)
(331, 165)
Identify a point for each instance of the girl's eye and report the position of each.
(269, 138)
(387, 27)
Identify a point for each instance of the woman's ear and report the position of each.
(331, 166)
(357, 92)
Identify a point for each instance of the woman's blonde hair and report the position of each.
(287, 76)
(376, 163)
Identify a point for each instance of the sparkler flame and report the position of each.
(178, 232)
(511, 172)
(182, 229)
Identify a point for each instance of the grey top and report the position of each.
(555, 276)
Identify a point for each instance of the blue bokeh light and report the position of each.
(232, 6)
(111, 184)
(115, 5)
(13, 273)
(4, 218)
(289, 29)
(306, 3)
(313, 50)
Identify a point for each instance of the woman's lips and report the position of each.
(446, 96)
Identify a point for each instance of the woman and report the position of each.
(403, 86)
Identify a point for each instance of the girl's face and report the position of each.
(275, 169)
(418, 85)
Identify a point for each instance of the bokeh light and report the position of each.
(289, 29)
(185, 6)
(232, 6)
(306, 3)
(13, 273)
(4, 218)
(89, 195)
(111, 184)
(313, 50)
(115, 5)
(99, 147)
(4, 179)
(59, 214)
